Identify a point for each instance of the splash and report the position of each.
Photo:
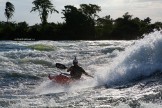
(138, 61)
(50, 87)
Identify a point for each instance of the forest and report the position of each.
(81, 23)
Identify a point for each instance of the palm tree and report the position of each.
(44, 7)
(9, 10)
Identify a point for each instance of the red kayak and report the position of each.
(60, 79)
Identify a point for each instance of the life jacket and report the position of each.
(76, 72)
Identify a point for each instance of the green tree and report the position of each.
(44, 7)
(125, 27)
(9, 10)
(104, 27)
(145, 26)
(90, 10)
(158, 25)
(78, 25)
(21, 30)
(127, 17)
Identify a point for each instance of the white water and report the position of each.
(141, 59)
(124, 73)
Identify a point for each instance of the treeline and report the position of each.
(81, 23)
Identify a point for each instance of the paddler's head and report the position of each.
(75, 61)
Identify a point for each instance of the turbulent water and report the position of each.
(127, 74)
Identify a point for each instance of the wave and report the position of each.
(140, 60)
(37, 61)
(42, 47)
(110, 50)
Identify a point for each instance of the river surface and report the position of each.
(127, 74)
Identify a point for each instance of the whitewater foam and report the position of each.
(139, 60)
(48, 87)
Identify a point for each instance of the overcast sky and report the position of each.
(114, 8)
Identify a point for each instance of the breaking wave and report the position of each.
(140, 60)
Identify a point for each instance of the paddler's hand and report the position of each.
(87, 74)
(90, 76)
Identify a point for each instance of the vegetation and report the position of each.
(80, 23)
(43, 7)
(9, 10)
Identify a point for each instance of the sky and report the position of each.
(114, 8)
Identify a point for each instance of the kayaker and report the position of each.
(76, 71)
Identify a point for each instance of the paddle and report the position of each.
(60, 66)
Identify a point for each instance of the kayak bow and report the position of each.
(60, 79)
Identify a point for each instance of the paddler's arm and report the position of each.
(69, 69)
(86, 73)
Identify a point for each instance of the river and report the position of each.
(127, 74)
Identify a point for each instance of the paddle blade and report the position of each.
(60, 66)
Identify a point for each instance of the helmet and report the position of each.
(75, 61)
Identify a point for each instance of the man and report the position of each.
(77, 71)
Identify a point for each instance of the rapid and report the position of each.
(127, 74)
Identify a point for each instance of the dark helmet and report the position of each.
(75, 61)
